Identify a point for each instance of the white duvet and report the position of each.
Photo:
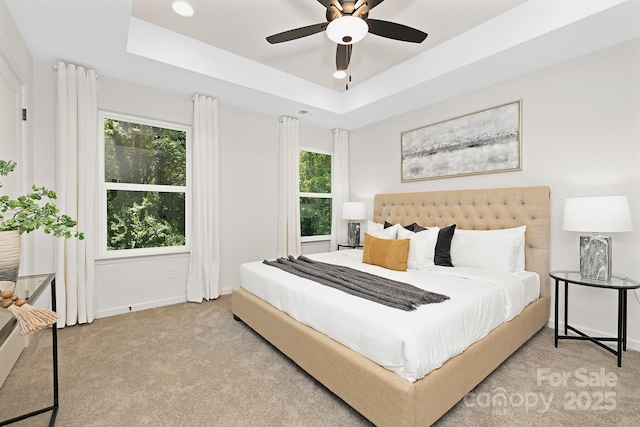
(409, 343)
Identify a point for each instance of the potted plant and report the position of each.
(25, 214)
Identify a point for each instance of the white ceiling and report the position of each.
(230, 26)
(221, 51)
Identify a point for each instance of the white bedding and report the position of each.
(411, 343)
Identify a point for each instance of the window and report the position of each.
(315, 195)
(145, 194)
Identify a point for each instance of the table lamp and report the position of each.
(353, 212)
(608, 214)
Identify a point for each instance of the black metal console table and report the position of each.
(41, 281)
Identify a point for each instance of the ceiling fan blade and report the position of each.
(373, 3)
(343, 56)
(362, 7)
(391, 30)
(328, 3)
(297, 33)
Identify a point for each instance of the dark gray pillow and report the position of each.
(442, 255)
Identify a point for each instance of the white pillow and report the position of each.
(421, 248)
(374, 227)
(378, 230)
(497, 250)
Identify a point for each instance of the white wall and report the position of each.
(248, 172)
(581, 137)
(141, 282)
(15, 92)
(15, 135)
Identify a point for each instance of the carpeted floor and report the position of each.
(193, 365)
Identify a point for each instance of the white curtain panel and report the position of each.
(203, 282)
(289, 188)
(76, 183)
(339, 186)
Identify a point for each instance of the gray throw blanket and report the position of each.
(359, 283)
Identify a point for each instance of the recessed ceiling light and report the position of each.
(182, 8)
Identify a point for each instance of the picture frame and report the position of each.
(485, 141)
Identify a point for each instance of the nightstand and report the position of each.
(348, 246)
(619, 283)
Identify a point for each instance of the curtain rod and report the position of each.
(55, 67)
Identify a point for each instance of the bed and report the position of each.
(383, 396)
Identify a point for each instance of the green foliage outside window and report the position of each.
(315, 189)
(315, 216)
(141, 219)
(315, 172)
(142, 154)
(136, 156)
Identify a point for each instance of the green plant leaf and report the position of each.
(27, 214)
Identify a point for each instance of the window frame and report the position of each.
(104, 187)
(324, 237)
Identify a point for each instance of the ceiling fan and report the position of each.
(347, 23)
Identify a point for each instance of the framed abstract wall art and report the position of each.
(486, 141)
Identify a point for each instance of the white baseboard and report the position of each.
(137, 307)
(632, 344)
(152, 304)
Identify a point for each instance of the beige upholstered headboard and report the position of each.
(483, 209)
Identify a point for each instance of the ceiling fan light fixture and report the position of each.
(182, 8)
(347, 30)
(340, 74)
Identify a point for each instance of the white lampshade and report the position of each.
(353, 210)
(610, 214)
(347, 30)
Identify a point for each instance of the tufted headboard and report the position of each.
(479, 210)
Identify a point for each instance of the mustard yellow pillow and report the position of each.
(391, 254)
